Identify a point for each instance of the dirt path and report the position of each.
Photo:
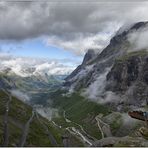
(51, 137)
(25, 131)
(6, 129)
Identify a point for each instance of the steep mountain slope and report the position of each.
(94, 77)
(118, 46)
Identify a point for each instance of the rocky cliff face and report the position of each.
(128, 74)
(129, 77)
(88, 57)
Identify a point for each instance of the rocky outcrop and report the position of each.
(88, 56)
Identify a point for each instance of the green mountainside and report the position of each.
(79, 110)
(97, 122)
(13, 125)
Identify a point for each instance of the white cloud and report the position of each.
(22, 96)
(47, 112)
(96, 89)
(33, 66)
(139, 39)
(53, 68)
(80, 45)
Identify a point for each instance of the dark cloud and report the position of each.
(68, 22)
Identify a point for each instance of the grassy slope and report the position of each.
(18, 115)
(79, 110)
(140, 53)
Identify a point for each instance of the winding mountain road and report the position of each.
(86, 138)
(25, 131)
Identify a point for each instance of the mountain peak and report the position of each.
(139, 25)
(123, 34)
(88, 56)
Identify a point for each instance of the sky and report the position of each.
(36, 48)
(62, 31)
